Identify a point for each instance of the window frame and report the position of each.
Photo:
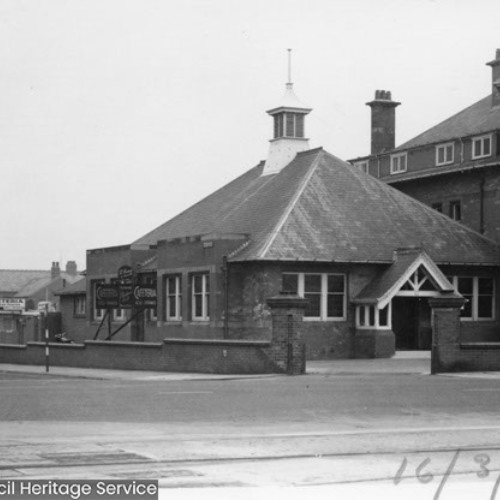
(205, 296)
(437, 206)
(453, 207)
(398, 157)
(444, 147)
(368, 317)
(177, 295)
(79, 306)
(481, 140)
(475, 297)
(324, 294)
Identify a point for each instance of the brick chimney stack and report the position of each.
(495, 80)
(383, 122)
(55, 270)
(71, 267)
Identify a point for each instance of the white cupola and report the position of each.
(288, 138)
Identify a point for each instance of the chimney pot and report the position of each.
(495, 80)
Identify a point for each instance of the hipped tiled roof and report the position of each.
(477, 119)
(319, 208)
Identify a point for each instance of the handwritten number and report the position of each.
(399, 474)
(424, 478)
(483, 460)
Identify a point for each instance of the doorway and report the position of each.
(411, 323)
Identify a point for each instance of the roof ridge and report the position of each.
(274, 233)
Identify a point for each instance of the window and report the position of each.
(98, 313)
(480, 295)
(200, 289)
(362, 165)
(481, 147)
(278, 125)
(80, 306)
(326, 293)
(369, 316)
(455, 210)
(173, 298)
(437, 206)
(398, 163)
(444, 154)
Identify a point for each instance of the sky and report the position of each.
(116, 115)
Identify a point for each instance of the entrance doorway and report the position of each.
(411, 323)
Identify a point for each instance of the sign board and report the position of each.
(125, 274)
(107, 296)
(126, 295)
(145, 296)
(12, 304)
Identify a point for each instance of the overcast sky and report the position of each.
(115, 115)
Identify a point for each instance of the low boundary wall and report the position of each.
(284, 353)
(173, 355)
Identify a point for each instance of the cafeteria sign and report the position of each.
(11, 304)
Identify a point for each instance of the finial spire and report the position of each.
(289, 66)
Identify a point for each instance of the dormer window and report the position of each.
(481, 147)
(289, 125)
(444, 154)
(398, 163)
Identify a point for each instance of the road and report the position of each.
(394, 430)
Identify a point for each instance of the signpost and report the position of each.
(125, 293)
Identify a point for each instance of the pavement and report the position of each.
(404, 362)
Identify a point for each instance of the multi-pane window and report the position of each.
(80, 306)
(444, 154)
(456, 210)
(326, 293)
(479, 294)
(173, 297)
(481, 147)
(200, 295)
(398, 163)
(369, 316)
(288, 125)
(438, 207)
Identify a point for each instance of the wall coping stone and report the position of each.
(111, 343)
(13, 346)
(480, 345)
(287, 302)
(221, 342)
(57, 345)
(452, 301)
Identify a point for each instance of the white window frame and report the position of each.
(445, 148)
(396, 167)
(119, 314)
(324, 296)
(205, 294)
(475, 297)
(177, 295)
(80, 306)
(363, 166)
(455, 206)
(482, 140)
(365, 311)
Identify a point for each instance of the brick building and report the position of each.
(366, 257)
(453, 167)
(21, 293)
